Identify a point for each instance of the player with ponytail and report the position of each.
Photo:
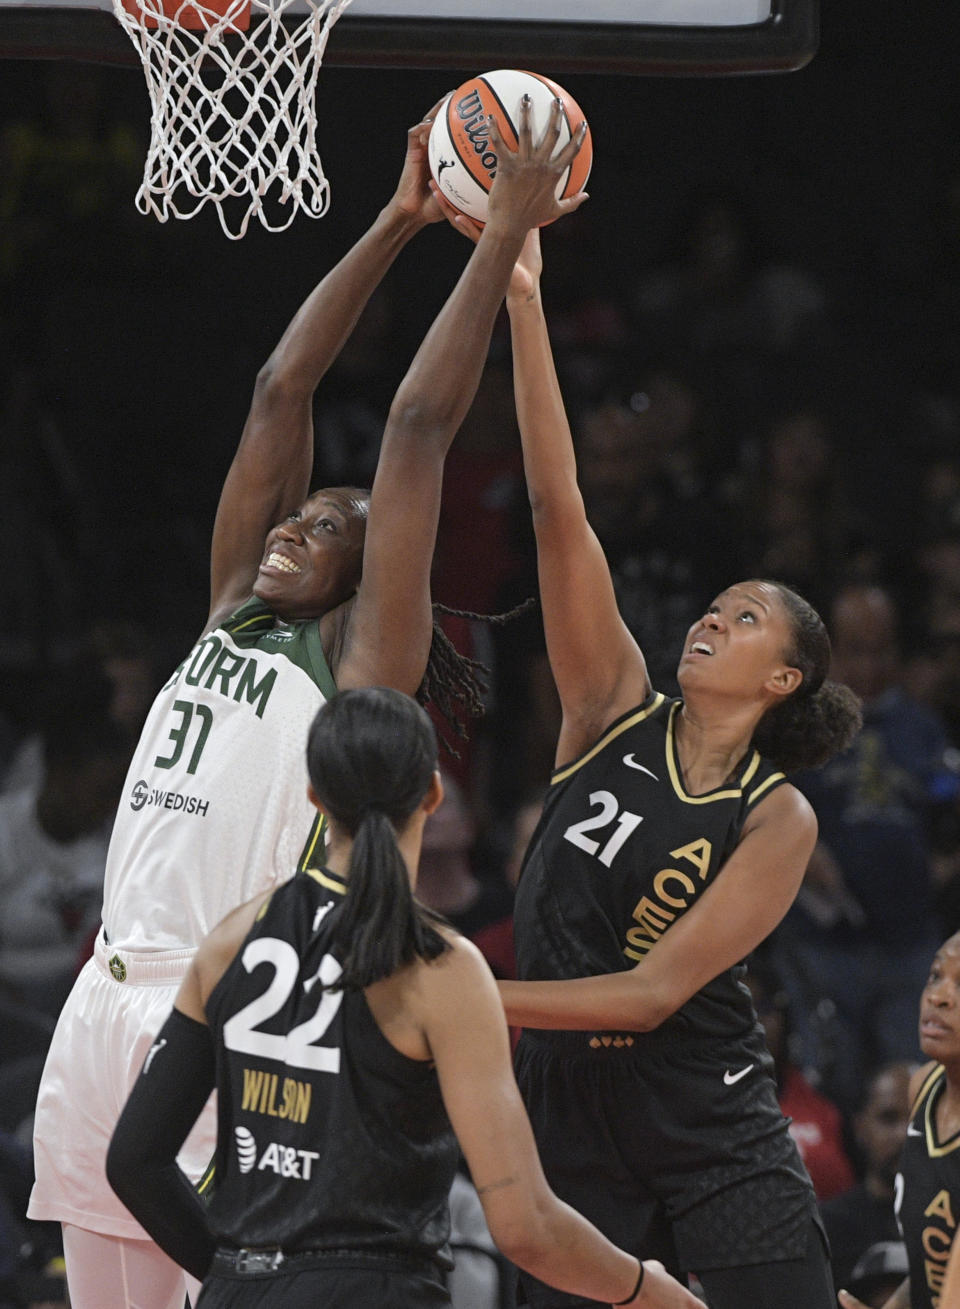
(368, 795)
(357, 1044)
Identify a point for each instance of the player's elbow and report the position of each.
(416, 416)
(523, 1234)
(279, 387)
(557, 510)
(651, 1006)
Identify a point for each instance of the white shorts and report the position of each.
(104, 1032)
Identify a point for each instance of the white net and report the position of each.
(233, 114)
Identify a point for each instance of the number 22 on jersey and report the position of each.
(243, 1032)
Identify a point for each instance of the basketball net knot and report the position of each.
(232, 86)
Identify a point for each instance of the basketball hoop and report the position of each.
(233, 120)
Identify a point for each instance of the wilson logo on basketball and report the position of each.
(470, 112)
(461, 149)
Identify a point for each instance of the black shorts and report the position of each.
(328, 1284)
(676, 1150)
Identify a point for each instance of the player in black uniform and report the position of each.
(928, 1187)
(950, 1295)
(670, 846)
(340, 1036)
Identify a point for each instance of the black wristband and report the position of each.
(636, 1290)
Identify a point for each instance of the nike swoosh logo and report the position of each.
(152, 1053)
(729, 1078)
(913, 1131)
(629, 760)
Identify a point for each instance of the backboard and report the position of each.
(650, 37)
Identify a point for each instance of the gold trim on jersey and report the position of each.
(318, 829)
(205, 1183)
(248, 622)
(673, 768)
(569, 769)
(774, 777)
(324, 878)
(930, 1078)
(925, 1100)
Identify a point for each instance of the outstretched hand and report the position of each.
(523, 194)
(414, 194)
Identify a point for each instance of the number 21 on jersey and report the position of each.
(609, 813)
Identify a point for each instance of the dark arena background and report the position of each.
(756, 318)
(129, 349)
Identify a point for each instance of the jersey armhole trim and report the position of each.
(773, 780)
(633, 717)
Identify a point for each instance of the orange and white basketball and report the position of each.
(462, 160)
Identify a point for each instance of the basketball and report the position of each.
(463, 162)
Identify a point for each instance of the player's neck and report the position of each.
(710, 745)
(340, 846)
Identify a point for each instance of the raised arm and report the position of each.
(598, 667)
(270, 472)
(528, 1223)
(740, 908)
(389, 628)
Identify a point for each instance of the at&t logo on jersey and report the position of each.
(143, 794)
(284, 1160)
(246, 1149)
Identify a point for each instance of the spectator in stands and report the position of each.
(815, 1122)
(124, 654)
(53, 842)
(666, 550)
(864, 1215)
(868, 895)
(478, 906)
(796, 520)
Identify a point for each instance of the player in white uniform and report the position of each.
(215, 808)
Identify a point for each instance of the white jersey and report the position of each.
(215, 807)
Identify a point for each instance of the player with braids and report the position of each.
(455, 683)
(310, 594)
(670, 846)
(387, 1034)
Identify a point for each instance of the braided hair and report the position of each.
(820, 718)
(453, 681)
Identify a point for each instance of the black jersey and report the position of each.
(621, 852)
(329, 1138)
(928, 1194)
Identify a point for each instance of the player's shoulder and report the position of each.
(782, 801)
(460, 967)
(220, 947)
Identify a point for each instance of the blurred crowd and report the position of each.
(716, 389)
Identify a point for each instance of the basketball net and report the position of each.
(233, 118)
